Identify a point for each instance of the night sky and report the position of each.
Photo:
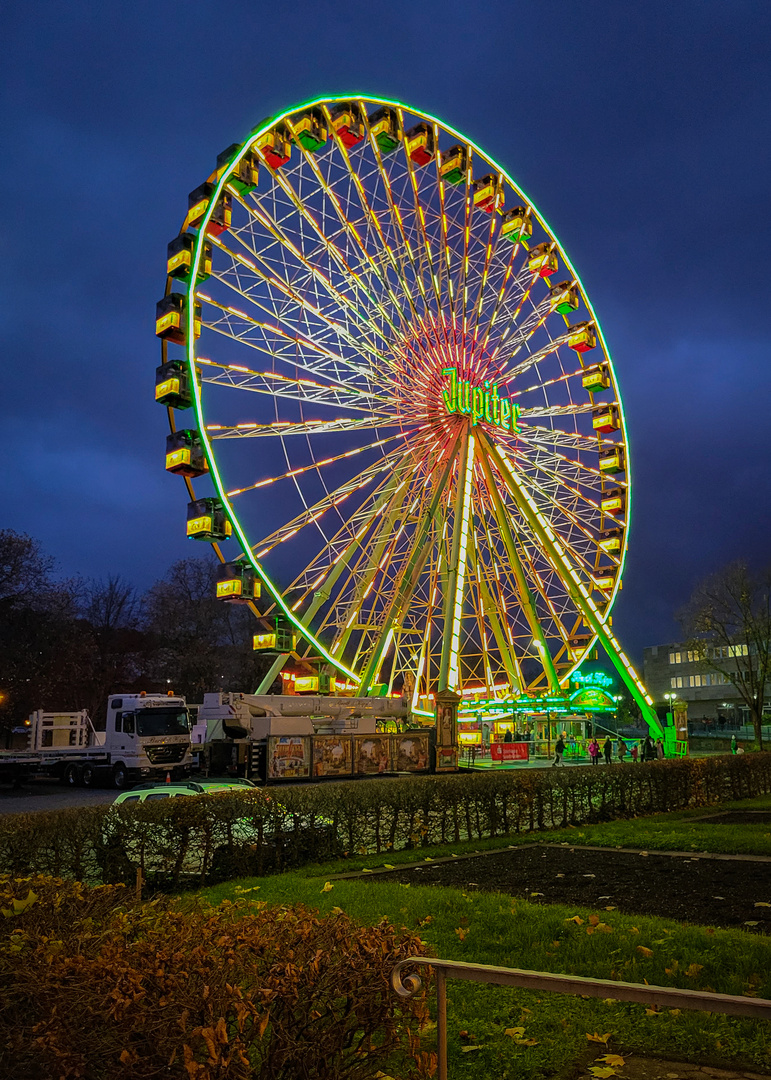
(641, 131)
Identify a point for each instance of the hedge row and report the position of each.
(97, 986)
(207, 838)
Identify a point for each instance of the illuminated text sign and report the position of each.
(482, 402)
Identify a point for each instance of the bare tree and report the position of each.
(24, 570)
(728, 622)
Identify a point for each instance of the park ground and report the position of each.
(681, 899)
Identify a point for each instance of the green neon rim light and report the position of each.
(216, 477)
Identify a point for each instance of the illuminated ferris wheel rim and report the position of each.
(216, 477)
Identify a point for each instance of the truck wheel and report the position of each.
(70, 776)
(87, 776)
(119, 776)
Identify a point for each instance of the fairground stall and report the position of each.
(494, 732)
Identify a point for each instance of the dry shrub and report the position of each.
(93, 985)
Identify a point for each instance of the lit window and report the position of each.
(673, 682)
(679, 682)
(672, 658)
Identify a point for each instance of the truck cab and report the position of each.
(147, 736)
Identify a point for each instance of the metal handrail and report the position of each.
(406, 985)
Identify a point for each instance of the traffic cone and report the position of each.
(168, 777)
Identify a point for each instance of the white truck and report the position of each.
(147, 736)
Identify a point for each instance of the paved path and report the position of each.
(50, 795)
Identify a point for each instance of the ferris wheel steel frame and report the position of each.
(476, 446)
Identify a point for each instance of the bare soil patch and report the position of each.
(711, 892)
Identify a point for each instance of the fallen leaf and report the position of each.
(693, 970)
(652, 1012)
(598, 1038)
(750, 923)
(718, 898)
(461, 932)
(514, 1033)
(468, 1049)
(536, 894)
(594, 920)
(365, 871)
(388, 866)
(675, 1012)
(328, 886)
(602, 1072)
(645, 952)
(633, 930)
(611, 908)
(614, 1060)
(762, 903)
(526, 1042)
(609, 1001)
(577, 920)
(428, 859)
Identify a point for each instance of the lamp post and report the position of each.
(671, 699)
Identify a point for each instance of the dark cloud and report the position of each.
(641, 132)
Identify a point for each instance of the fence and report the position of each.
(406, 983)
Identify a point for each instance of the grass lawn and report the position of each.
(495, 929)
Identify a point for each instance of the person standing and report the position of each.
(733, 743)
(559, 750)
(621, 749)
(634, 751)
(508, 737)
(594, 752)
(607, 749)
(659, 749)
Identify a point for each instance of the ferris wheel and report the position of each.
(407, 424)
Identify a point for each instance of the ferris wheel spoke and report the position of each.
(354, 279)
(280, 428)
(402, 247)
(563, 377)
(306, 391)
(386, 249)
(345, 307)
(423, 234)
(353, 234)
(321, 576)
(533, 358)
(570, 440)
(330, 501)
(294, 349)
(555, 410)
(316, 465)
(502, 292)
(289, 301)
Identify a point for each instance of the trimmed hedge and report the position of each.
(209, 838)
(97, 986)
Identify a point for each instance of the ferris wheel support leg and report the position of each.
(525, 595)
(272, 674)
(456, 571)
(577, 590)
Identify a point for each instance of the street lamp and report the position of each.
(671, 699)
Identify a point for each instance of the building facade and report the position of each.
(674, 670)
